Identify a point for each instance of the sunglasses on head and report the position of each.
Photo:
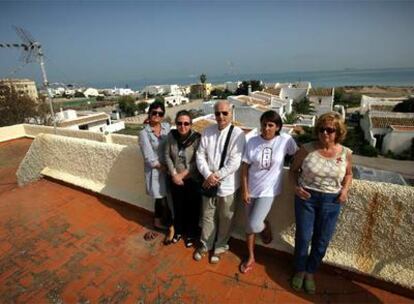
(224, 113)
(182, 123)
(159, 113)
(328, 130)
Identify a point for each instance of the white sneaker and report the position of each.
(221, 250)
(199, 253)
(214, 259)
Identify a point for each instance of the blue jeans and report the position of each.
(315, 221)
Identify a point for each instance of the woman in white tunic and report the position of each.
(261, 179)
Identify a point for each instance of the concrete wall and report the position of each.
(11, 132)
(397, 141)
(374, 234)
(27, 130)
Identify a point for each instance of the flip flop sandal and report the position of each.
(297, 282)
(244, 268)
(309, 286)
(266, 234)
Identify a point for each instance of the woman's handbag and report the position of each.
(212, 191)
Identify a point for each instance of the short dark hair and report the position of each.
(156, 105)
(272, 116)
(183, 113)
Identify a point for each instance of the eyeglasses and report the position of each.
(159, 113)
(182, 123)
(327, 129)
(224, 113)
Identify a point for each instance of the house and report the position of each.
(295, 91)
(22, 87)
(377, 124)
(322, 99)
(200, 90)
(232, 86)
(398, 139)
(379, 103)
(92, 121)
(166, 89)
(91, 92)
(175, 100)
(123, 91)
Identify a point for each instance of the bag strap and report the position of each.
(226, 144)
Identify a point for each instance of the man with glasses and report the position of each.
(218, 211)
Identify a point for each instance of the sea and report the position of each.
(347, 77)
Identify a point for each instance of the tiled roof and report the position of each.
(84, 120)
(320, 92)
(385, 122)
(273, 91)
(75, 246)
(382, 108)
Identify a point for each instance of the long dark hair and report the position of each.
(272, 116)
(156, 105)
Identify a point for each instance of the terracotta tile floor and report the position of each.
(59, 244)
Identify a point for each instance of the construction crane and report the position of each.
(32, 52)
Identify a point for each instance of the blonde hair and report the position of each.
(339, 123)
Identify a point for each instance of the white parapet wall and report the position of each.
(374, 235)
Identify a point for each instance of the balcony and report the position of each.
(73, 232)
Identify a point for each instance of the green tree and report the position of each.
(290, 118)
(15, 108)
(203, 78)
(127, 105)
(243, 89)
(142, 106)
(407, 106)
(304, 107)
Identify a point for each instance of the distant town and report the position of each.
(380, 119)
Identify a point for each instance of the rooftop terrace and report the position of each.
(61, 243)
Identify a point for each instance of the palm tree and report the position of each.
(304, 107)
(203, 79)
(290, 118)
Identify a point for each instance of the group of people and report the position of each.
(197, 180)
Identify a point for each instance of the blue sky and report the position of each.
(104, 41)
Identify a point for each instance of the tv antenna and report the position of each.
(32, 52)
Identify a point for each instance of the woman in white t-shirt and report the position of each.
(261, 178)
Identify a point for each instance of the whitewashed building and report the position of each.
(92, 121)
(22, 87)
(175, 100)
(398, 139)
(322, 99)
(91, 92)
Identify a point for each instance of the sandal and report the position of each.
(266, 234)
(309, 286)
(189, 242)
(297, 282)
(176, 238)
(245, 268)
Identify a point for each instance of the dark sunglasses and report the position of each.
(181, 123)
(328, 130)
(159, 113)
(224, 113)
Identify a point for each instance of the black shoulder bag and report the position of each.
(212, 191)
